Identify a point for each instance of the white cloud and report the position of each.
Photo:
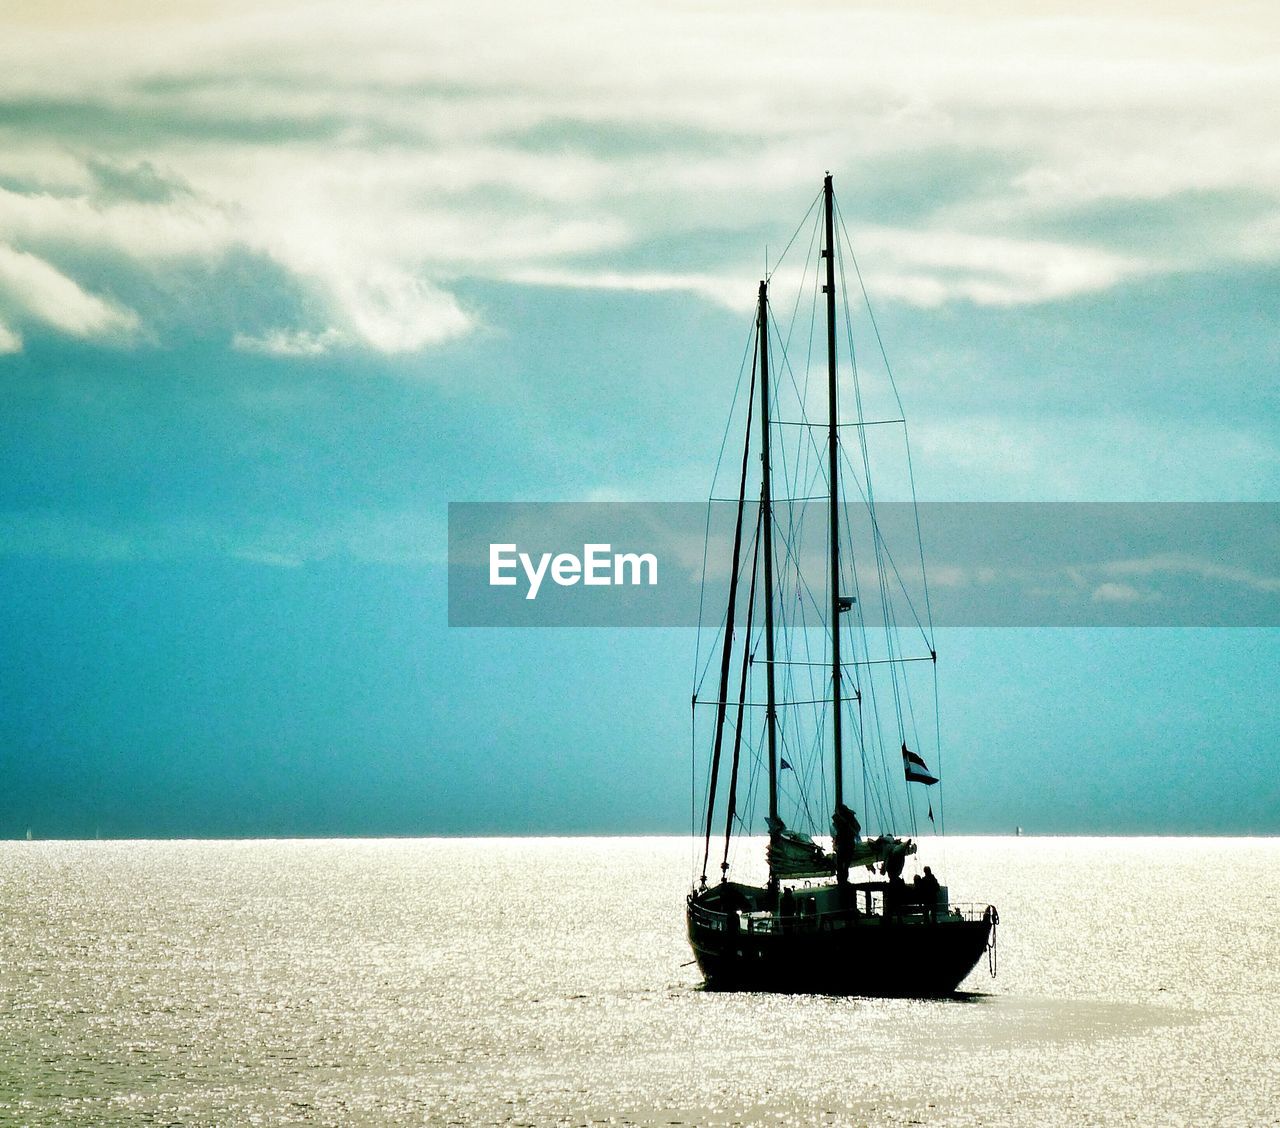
(10, 341)
(389, 312)
(31, 288)
(151, 231)
(394, 312)
(929, 268)
(378, 153)
(291, 342)
(727, 290)
(1186, 564)
(1118, 593)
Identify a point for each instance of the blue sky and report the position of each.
(279, 281)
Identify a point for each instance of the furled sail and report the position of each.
(793, 854)
(888, 851)
(845, 833)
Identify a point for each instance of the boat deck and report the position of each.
(835, 940)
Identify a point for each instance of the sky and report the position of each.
(279, 281)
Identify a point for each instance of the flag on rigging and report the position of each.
(917, 770)
(782, 767)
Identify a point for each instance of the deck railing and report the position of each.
(764, 921)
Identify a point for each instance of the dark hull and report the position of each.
(863, 955)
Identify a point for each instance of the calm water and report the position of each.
(545, 982)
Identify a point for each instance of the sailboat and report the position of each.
(788, 712)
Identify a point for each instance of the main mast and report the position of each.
(766, 546)
(833, 466)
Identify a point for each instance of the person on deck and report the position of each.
(929, 892)
(896, 895)
(787, 908)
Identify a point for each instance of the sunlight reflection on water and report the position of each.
(542, 981)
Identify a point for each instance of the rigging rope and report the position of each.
(801, 733)
(929, 633)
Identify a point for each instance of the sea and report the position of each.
(548, 982)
